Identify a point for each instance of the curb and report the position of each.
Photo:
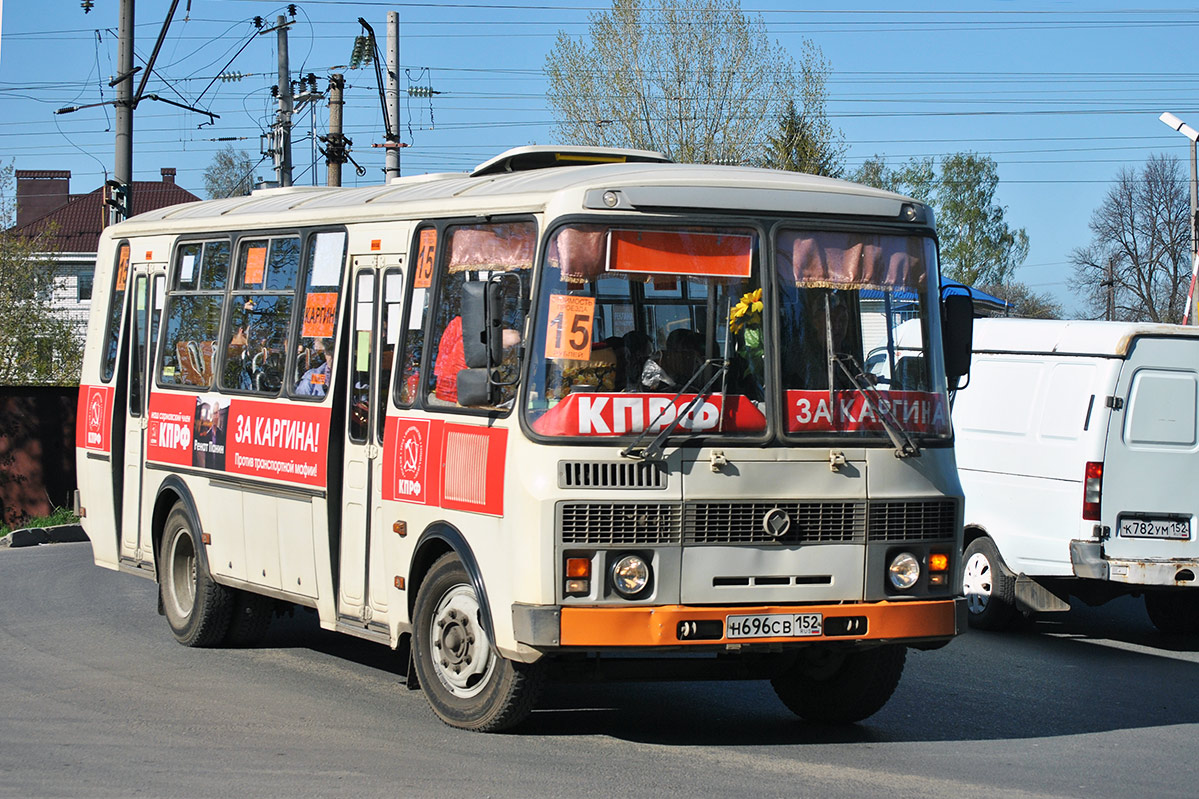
(32, 536)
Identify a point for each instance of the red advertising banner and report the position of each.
(677, 252)
(93, 416)
(455, 466)
(281, 441)
(914, 411)
(620, 414)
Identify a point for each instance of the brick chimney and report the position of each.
(168, 174)
(40, 191)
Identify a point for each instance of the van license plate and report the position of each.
(1150, 527)
(774, 625)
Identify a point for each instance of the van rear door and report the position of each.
(1150, 473)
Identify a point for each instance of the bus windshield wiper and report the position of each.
(653, 450)
(905, 445)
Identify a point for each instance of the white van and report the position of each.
(1079, 457)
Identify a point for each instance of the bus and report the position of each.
(580, 411)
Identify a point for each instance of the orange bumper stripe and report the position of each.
(658, 625)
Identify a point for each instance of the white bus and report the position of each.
(577, 409)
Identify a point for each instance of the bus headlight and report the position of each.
(630, 575)
(904, 571)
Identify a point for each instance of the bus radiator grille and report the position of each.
(902, 520)
(741, 522)
(600, 523)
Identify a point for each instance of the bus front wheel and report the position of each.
(467, 682)
(832, 686)
(198, 609)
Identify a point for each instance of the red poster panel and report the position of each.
(914, 411)
(473, 468)
(412, 460)
(621, 414)
(676, 252)
(93, 416)
(171, 428)
(280, 441)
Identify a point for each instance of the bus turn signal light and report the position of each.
(938, 562)
(578, 576)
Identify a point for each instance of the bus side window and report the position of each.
(194, 314)
(323, 263)
(260, 318)
(393, 296)
(116, 303)
(475, 253)
(413, 341)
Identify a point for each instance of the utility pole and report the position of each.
(1110, 283)
(123, 160)
(335, 141)
(283, 121)
(392, 163)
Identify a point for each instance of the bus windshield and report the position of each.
(632, 322)
(639, 329)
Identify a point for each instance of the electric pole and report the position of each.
(335, 154)
(392, 163)
(123, 159)
(283, 121)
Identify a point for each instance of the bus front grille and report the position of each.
(742, 522)
(600, 523)
(900, 520)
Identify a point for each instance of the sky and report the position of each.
(1063, 95)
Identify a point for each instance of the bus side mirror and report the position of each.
(482, 320)
(957, 336)
(475, 388)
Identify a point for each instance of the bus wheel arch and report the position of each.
(172, 492)
(437, 540)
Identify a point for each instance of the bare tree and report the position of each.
(695, 79)
(1023, 301)
(1137, 265)
(230, 174)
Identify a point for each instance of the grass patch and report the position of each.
(59, 516)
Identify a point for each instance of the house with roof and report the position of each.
(73, 222)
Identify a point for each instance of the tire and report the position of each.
(831, 686)
(198, 610)
(250, 618)
(1174, 612)
(466, 682)
(989, 586)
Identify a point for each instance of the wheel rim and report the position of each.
(461, 652)
(181, 568)
(976, 582)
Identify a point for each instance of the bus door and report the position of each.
(374, 326)
(147, 285)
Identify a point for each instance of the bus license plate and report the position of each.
(1150, 527)
(780, 625)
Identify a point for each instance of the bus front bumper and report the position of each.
(669, 626)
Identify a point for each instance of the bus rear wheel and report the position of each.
(832, 686)
(198, 609)
(467, 683)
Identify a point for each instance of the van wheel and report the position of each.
(831, 686)
(1174, 612)
(197, 608)
(250, 618)
(466, 681)
(989, 587)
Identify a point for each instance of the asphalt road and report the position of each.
(96, 699)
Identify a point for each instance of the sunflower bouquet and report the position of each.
(745, 319)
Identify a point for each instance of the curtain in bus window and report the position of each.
(259, 322)
(578, 251)
(854, 260)
(323, 264)
(498, 248)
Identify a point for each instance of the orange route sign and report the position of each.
(569, 327)
(255, 265)
(426, 257)
(319, 312)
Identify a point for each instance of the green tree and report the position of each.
(697, 80)
(1137, 266)
(977, 245)
(806, 140)
(230, 174)
(40, 343)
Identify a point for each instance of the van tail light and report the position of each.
(1092, 490)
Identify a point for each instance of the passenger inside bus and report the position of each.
(451, 360)
(807, 365)
(315, 381)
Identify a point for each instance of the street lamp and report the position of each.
(1192, 134)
